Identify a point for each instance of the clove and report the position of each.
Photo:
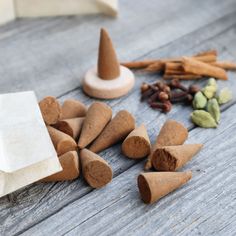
(180, 97)
(193, 89)
(163, 106)
(175, 84)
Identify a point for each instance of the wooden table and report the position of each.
(51, 56)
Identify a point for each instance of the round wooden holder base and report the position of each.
(108, 89)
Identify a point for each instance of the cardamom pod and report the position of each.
(209, 91)
(225, 95)
(212, 82)
(203, 119)
(214, 109)
(199, 100)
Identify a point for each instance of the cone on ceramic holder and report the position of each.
(110, 79)
(72, 126)
(97, 117)
(70, 165)
(96, 171)
(137, 143)
(50, 109)
(72, 108)
(172, 158)
(171, 133)
(155, 185)
(116, 130)
(62, 142)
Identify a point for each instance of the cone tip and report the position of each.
(108, 64)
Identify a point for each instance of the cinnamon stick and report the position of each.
(138, 64)
(156, 65)
(203, 69)
(208, 52)
(186, 76)
(227, 65)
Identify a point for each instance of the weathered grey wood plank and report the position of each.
(61, 44)
(206, 205)
(40, 201)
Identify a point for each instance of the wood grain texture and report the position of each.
(195, 208)
(51, 55)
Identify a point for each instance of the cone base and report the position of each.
(97, 174)
(144, 188)
(108, 89)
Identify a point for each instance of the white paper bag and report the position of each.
(26, 151)
(41, 8)
(7, 11)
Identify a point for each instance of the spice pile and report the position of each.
(204, 64)
(161, 95)
(206, 105)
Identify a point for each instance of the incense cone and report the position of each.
(97, 172)
(97, 117)
(171, 158)
(137, 144)
(62, 142)
(155, 185)
(108, 80)
(70, 165)
(72, 108)
(50, 109)
(118, 128)
(71, 127)
(108, 64)
(171, 133)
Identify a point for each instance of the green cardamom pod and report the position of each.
(214, 109)
(225, 95)
(203, 119)
(212, 82)
(209, 91)
(199, 100)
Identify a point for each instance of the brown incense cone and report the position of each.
(200, 68)
(118, 128)
(171, 133)
(137, 144)
(70, 165)
(62, 142)
(108, 64)
(155, 185)
(97, 172)
(171, 158)
(71, 127)
(97, 117)
(72, 108)
(50, 109)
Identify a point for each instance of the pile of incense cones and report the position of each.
(198, 66)
(74, 129)
(168, 154)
